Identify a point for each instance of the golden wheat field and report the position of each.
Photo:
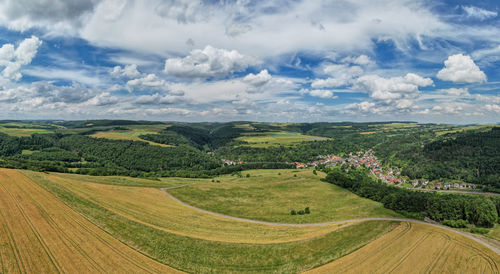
(40, 234)
(417, 248)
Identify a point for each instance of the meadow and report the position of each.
(151, 206)
(270, 195)
(280, 138)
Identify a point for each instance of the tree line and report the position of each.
(474, 209)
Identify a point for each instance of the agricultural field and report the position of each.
(153, 207)
(130, 134)
(40, 234)
(193, 254)
(281, 138)
(417, 248)
(79, 218)
(270, 195)
(22, 132)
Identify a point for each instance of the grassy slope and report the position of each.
(268, 196)
(153, 207)
(417, 248)
(196, 255)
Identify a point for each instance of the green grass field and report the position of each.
(281, 138)
(268, 196)
(205, 256)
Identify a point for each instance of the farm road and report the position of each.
(470, 236)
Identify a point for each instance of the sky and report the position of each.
(261, 60)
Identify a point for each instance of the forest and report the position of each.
(467, 153)
(453, 209)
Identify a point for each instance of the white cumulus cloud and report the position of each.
(12, 59)
(461, 68)
(380, 88)
(258, 80)
(209, 62)
(129, 71)
(321, 93)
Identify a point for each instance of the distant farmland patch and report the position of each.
(131, 134)
(279, 138)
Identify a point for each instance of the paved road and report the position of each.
(470, 236)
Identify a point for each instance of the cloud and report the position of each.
(361, 60)
(73, 75)
(54, 15)
(380, 88)
(237, 29)
(75, 93)
(492, 108)
(258, 80)
(321, 93)
(184, 11)
(156, 99)
(478, 13)
(458, 92)
(129, 71)
(209, 62)
(147, 82)
(448, 108)
(341, 75)
(12, 59)
(261, 28)
(461, 68)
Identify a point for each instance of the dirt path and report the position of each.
(470, 236)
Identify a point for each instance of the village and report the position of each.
(368, 160)
(390, 176)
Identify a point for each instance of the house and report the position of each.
(455, 185)
(415, 183)
(438, 185)
(447, 185)
(425, 183)
(463, 186)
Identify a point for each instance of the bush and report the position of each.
(314, 172)
(307, 211)
(293, 212)
(248, 175)
(301, 212)
(479, 230)
(456, 223)
(294, 175)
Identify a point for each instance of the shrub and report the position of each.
(314, 172)
(293, 212)
(479, 230)
(301, 212)
(294, 175)
(248, 175)
(307, 211)
(456, 223)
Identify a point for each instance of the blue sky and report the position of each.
(275, 60)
